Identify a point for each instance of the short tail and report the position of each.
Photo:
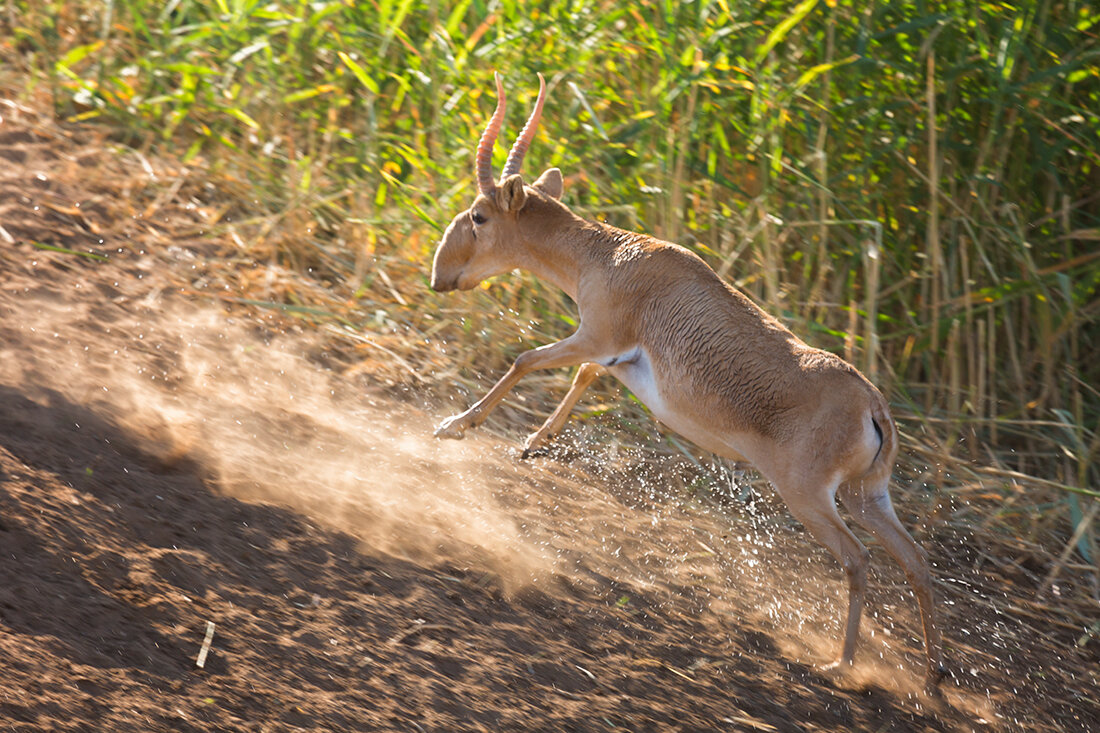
(878, 431)
(886, 429)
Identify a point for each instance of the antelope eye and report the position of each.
(478, 218)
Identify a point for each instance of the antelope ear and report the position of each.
(510, 194)
(550, 183)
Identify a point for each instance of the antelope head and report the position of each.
(482, 240)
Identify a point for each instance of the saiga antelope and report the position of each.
(700, 355)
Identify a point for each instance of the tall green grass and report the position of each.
(915, 183)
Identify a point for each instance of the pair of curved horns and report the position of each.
(485, 182)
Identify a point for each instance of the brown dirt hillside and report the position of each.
(168, 463)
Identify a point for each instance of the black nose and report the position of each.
(441, 286)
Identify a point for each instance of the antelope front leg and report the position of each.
(587, 374)
(567, 352)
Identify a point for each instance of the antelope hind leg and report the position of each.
(876, 514)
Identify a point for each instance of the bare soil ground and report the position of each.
(167, 464)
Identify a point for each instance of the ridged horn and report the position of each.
(519, 149)
(485, 182)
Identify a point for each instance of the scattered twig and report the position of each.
(201, 661)
(587, 674)
(678, 673)
(419, 627)
(1082, 527)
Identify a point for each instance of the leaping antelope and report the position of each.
(700, 355)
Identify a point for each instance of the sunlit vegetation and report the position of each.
(915, 185)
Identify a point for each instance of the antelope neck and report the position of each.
(556, 253)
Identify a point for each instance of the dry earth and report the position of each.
(167, 464)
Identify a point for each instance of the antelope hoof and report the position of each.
(532, 452)
(833, 669)
(534, 444)
(932, 681)
(454, 427)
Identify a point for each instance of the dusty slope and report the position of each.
(165, 464)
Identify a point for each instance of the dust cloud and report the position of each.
(265, 424)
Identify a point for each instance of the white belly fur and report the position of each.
(634, 369)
